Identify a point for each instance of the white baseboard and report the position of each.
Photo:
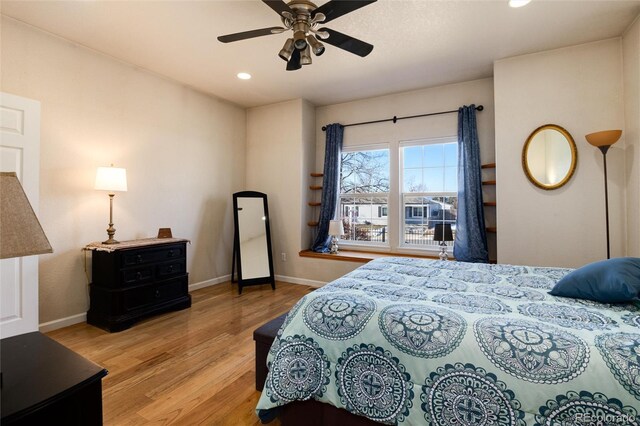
(207, 283)
(304, 281)
(62, 322)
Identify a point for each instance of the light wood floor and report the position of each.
(194, 366)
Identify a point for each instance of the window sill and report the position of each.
(359, 256)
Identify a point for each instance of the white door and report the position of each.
(20, 153)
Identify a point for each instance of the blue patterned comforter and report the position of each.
(422, 342)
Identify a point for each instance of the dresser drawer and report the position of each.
(171, 269)
(152, 255)
(137, 275)
(140, 297)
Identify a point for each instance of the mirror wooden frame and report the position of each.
(574, 157)
(237, 257)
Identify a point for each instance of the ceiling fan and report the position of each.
(304, 19)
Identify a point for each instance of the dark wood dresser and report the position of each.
(136, 279)
(44, 383)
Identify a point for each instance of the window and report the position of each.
(392, 195)
(364, 195)
(429, 176)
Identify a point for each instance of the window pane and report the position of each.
(451, 179)
(413, 180)
(419, 231)
(412, 156)
(365, 171)
(434, 180)
(433, 155)
(363, 220)
(451, 154)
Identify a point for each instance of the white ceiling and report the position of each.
(419, 43)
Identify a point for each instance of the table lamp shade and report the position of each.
(336, 228)
(20, 231)
(111, 179)
(443, 232)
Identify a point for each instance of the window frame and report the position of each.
(386, 246)
(402, 245)
(395, 205)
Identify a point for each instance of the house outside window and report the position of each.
(364, 193)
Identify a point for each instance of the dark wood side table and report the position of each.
(45, 383)
(136, 279)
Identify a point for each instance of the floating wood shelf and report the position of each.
(492, 229)
(314, 203)
(312, 223)
(489, 166)
(489, 203)
(315, 187)
(489, 182)
(317, 174)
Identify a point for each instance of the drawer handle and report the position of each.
(157, 293)
(139, 258)
(138, 275)
(170, 254)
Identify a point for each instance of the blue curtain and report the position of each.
(471, 234)
(330, 186)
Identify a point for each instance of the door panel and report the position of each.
(20, 153)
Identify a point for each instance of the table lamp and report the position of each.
(443, 233)
(111, 179)
(336, 230)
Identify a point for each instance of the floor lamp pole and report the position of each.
(603, 141)
(604, 149)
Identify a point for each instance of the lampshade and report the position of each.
(111, 179)
(336, 228)
(443, 232)
(20, 231)
(604, 138)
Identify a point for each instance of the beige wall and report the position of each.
(631, 59)
(280, 148)
(579, 88)
(183, 151)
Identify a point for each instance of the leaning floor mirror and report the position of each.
(252, 240)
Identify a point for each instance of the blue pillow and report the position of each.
(607, 281)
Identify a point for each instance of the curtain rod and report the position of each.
(395, 119)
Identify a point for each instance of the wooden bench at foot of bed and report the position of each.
(309, 413)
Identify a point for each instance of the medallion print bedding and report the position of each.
(425, 342)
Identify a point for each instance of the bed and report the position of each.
(415, 341)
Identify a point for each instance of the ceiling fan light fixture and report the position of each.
(316, 47)
(300, 41)
(287, 49)
(305, 56)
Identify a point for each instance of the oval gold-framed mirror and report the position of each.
(549, 157)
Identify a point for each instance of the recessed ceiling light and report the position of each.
(244, 75)
(518, 3)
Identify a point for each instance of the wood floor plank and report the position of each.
(195, 366)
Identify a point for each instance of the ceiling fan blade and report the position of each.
(336, 8)
(250, 34)
(278, 6)
(294, 61)
(348, 43)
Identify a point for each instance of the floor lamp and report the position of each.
(603, 141)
